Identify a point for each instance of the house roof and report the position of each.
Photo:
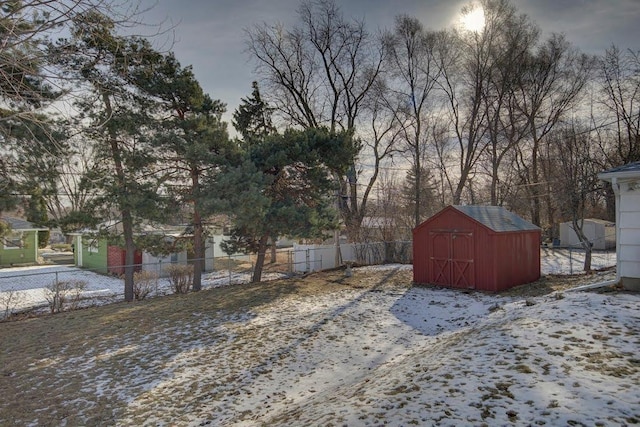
(20, 224)
(630, 170)
(594, 220)
(496, 218)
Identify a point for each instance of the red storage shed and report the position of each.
(476, 247)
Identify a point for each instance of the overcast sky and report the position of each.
(209, 34)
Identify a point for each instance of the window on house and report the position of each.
(13, 240)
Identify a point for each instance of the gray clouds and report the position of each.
(209, 34)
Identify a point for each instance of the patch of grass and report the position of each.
(403, 389)
(600, 337)
(523, 369)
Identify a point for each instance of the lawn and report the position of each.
(329, 350)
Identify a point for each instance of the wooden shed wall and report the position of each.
(498, 260)
(517, 259)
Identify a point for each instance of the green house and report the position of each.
(90, 251)
(20, 245)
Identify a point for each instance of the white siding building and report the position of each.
(601, 234)
(626, 186)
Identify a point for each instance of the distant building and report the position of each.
(601, 234)
(20, 245)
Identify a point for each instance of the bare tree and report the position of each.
(514, 37)
(415, 71)
(319, 73)
(466, 69)
(618, 128)
(380, 132)
(549, 85)
(574, 177)
(620, 79)
(75, 186)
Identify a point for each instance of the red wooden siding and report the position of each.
(452, 249)
(116, 259)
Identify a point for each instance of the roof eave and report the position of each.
(608, 176)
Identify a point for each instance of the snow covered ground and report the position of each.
(369, 355)
(366, 355)
(29, 283)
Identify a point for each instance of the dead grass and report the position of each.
(35, 349)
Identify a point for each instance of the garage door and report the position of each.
(452, 259)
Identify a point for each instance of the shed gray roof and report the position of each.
(19, 224)
(497, 218)
(628, 170)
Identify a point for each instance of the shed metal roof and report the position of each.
(497, 218)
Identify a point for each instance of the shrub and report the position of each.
(9, 299)
(180, 277)
(64, 293)
(144, 282)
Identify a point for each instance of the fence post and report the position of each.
(308, 261)
(570, 260)
(229, 267)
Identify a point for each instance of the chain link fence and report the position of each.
(37, 287)
(42, 286)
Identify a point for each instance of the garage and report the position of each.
(476, 247)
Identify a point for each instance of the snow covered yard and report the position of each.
(29, 283)
(329, 350)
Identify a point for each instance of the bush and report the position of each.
(180, 277)
(9, 299)
(60, 294)
(144, 282)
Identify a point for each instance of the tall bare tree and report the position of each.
(466, 69)
(574, 177)
(549, 86)
(618, 128)
(415, 70)
(620, 78)
(319, 73)
(514, 37)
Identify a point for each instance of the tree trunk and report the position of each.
(274, 252)
(535, 185)
(198, 245)
(125, 211)
(610, 201)
(586, 244)
(129, 258)
(262, 252)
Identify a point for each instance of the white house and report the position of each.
(601, 233)
(626, 186)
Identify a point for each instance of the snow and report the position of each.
(29, 283)
(379, 355)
